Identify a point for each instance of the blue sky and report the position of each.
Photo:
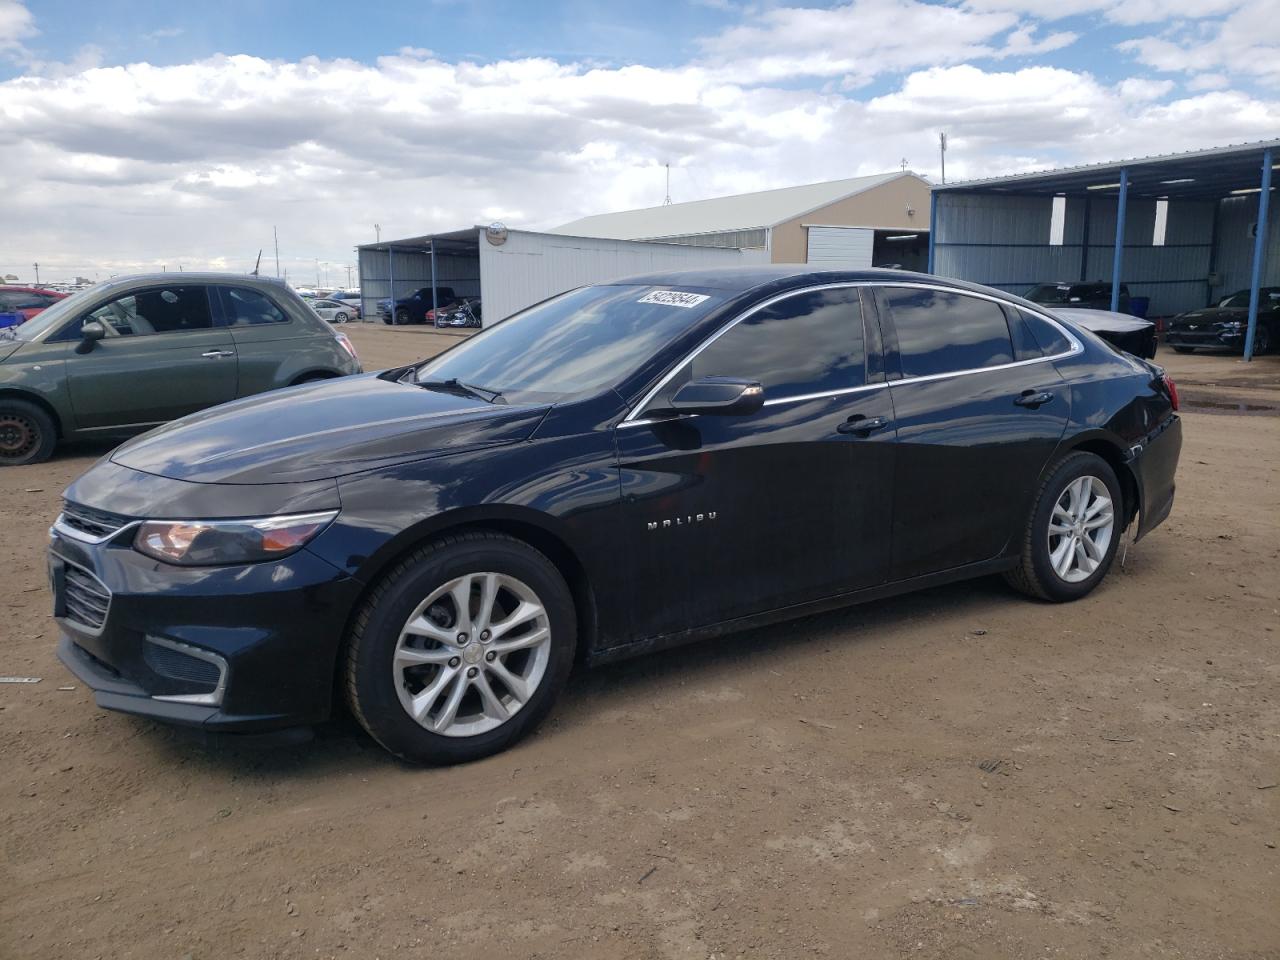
(141, 134)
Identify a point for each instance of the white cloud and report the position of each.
(1127, 12)
(111, 168)
(1245, 43)
(16, 25)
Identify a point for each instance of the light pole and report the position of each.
(317, 271)
(377, 233)
(37, 266)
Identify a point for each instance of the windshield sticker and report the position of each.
(673, 298)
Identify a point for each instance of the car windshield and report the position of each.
(1050, 293)
(581, 341)
(53, 317)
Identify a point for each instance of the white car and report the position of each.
(336, 311)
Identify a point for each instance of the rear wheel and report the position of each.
(339, 317)
(1071, 537)
(27, 433)
(461, 650)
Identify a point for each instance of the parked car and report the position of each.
(413, 308)
(134, 352)
(1225, 325)
(336, 311)
(616, 470)
(1128, 333)
(1082, 296)
(27, 301)
(347, 296)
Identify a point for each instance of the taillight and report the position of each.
(350, 347)
(1171, 388)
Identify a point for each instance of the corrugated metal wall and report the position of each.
(412, 271)
(1003, 242)
(533, 266)
(1236, 220)
(841, 248)
(731, 238)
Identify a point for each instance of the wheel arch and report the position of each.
(317, 373)
(10, 393)
(1111, 451)
(523, 524)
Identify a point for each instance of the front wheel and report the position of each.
(1261, 340)
(339, 317)
(461, 650)
(1071, 537)
(402, 317)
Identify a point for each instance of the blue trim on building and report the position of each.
(1259, 252)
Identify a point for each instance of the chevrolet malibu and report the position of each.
(614, 471)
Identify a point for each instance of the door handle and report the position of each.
(862, 426)
(1033, 398)
(214, 354)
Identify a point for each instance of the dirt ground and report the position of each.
(956, 774)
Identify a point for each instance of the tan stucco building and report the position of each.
(863, 221)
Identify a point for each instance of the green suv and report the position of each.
(134, 352)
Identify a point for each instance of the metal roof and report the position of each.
(1210, 174)
(744, 211)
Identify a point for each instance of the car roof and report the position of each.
(780, 277)
(190, 276)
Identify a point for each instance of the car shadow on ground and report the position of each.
(340, 745)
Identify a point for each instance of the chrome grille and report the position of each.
(97, 524)
(85, 597)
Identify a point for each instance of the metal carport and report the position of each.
(979, 228)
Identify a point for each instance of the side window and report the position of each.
(1049, 338)
(943, 332)
(1025, 345)
(157, 311)
(807, 343)
(243, 307)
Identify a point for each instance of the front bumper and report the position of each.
(1215, 338)
(241, 648)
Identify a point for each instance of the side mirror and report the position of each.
(719, 396)
(90, 333)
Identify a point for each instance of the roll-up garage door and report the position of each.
(843, 247)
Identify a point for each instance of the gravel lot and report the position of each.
(957, 774)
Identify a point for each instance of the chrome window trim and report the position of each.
(633, 417)
(211, 699)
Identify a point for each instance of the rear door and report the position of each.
(727, 516)
(977, 422)
(265, 336)
(162, 358)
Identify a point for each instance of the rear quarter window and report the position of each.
(1049, 338)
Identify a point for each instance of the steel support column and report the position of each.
(1259, 252)
(933, 226)
(391, 280)
(434, 305)
(1117, 263)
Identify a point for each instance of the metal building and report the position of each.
(1182, 230)
(511, 269)
(859, 222)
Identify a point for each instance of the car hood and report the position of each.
(324, 430)
(1211, 315)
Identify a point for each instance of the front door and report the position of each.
(162, 358)
(727, 516)
(978, 419)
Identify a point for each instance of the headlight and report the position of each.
(201, 543)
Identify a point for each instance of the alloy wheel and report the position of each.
(1080, 529)
(472, 654)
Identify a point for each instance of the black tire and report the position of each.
(1034, 575)
(371, 683)
(1261, 340)
(27, 433)
(1184, 349)
(402, 318)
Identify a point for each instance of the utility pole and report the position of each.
(276, 236)
(667, 201)
(942, 150)
(317, 272)
(37, 266)
(904, 164)
(377, 233)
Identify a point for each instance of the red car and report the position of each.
(27, 301)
